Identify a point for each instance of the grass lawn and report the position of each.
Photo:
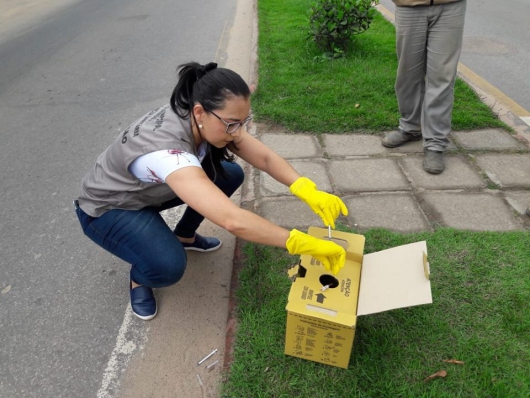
(480, 283)
(480, 315)
(353, 94)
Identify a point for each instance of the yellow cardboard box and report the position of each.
(322, 309)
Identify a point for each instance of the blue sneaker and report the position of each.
(143, 302)
(203, 244)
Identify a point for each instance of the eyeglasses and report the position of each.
(232, 127)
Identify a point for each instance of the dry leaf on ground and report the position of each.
(440, 373)
(455, 361)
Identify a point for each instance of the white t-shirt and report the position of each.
(154, 167)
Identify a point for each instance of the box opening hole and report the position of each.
(329, 281)
(301, 271)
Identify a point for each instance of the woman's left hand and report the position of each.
(326, 205)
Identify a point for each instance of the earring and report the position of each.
(200, 126)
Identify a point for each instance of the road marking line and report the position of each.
(128, 341)
(490, 89)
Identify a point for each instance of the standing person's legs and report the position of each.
(411, 44)
(411, 41)
(443, 52)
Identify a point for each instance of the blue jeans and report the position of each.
(143, 239)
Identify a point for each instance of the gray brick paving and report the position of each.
(473, 211)
(459, 173)
(315, 170)
(371, 174)
(519, 200)
(289, 213)
(398, 212)
(507, 170)
(489, 139)
(485, 187)
(353, 145)
(293, 146)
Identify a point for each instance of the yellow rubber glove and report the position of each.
(326, 205)
(331, 255)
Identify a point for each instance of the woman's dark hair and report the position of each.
(209, 86)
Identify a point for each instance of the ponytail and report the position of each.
(209, 86)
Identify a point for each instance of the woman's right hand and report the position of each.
(331, 255)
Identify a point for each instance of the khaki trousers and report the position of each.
(428, 45)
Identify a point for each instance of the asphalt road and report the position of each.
(70, 81)
(496, 45)
(73, 74)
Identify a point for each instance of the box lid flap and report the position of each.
(394, 278)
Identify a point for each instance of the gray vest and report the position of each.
(110, 185)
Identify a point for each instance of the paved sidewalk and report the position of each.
(485, 187)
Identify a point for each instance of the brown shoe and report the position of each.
(434, 162)
(398, 138)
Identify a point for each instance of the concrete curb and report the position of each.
(249, 71)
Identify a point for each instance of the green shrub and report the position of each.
(333, 23)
